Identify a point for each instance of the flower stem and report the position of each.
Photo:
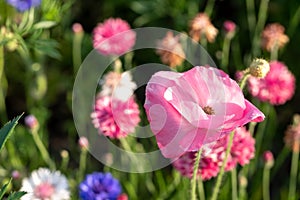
(244, 80)
(225, 53)
(262, 16)
(220, 176)
(42, 149)
(77, 40)
(274, 53)
(194, 178)
(201, 190)
(82, 164)
(266, 183)
(209, 7)
(293, 175)
(234, 185)
(251, 16)
(2, 95)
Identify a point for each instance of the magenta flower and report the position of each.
(115, 118)
(193, 109)
(113, 37)
(242, 151)
(229, 26)
(276, 88)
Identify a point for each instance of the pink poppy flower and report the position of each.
(113, 37)
(277, 87)
(193, 109)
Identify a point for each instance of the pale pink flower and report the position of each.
(83, 142)
(277, 87)
(292, 135)
(170, 50)
(193, 109)
(242, 150)
(273, 36)
(115, 118)
(45, 184)
(268, 158)
(113, 37)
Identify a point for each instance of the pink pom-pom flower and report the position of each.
(115, 118)
(193, 109)
(276, 88)
(113, 37)
(242, 151)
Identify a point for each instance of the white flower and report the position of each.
(45, 185)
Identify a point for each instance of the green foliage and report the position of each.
(7, 130)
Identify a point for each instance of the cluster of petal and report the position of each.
(242, 151)
(170, 50)
(23, 5)
(115, 118)
(292, 135)
(44, 184)
(201, 26)
(100, 186)
(193, 109)
(120, 86)
(277, 87)
(113, 37)
(273, 36)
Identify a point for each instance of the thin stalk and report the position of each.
(225, 53)
(77, 40)
(279, 161)
(244, 80)
(262, 16)
(293, 175)
(44, 153)
(3, 114)
(266, 183)
(220, 176)
(251, 16)
(234, 184)
(274, 53)
(294, 23)
(82, 164)
(194, 178)
(201, 190)
(209, 7)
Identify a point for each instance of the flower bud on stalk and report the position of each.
(259, 68)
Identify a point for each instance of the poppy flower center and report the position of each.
(208, 110)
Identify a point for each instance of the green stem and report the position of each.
(294, 23)
(280, 160)
(251, 16)
(77, 40)
(209, 7)
(225, 53)
(44, 153)
(82, 164)
(65, 160)
(274, 53)
(266, 183)
(262, 16)
(234, 184)
(252, 127)
(194, 178)
(201, 190)
(244, 80)
(3, 114)
(221, 173)
(293, 176)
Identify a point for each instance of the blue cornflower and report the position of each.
(100, 186)
(23, 5)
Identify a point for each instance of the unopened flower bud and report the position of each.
(31, 122)
(268, 159)
(229, 26)
(15, 174)
(77, 28)
(259, 68)
(243, 182)
(64, 154)
(83, 143)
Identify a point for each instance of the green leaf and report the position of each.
(16, 195)
(44, 24)
(6, 131)
(3, 189)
